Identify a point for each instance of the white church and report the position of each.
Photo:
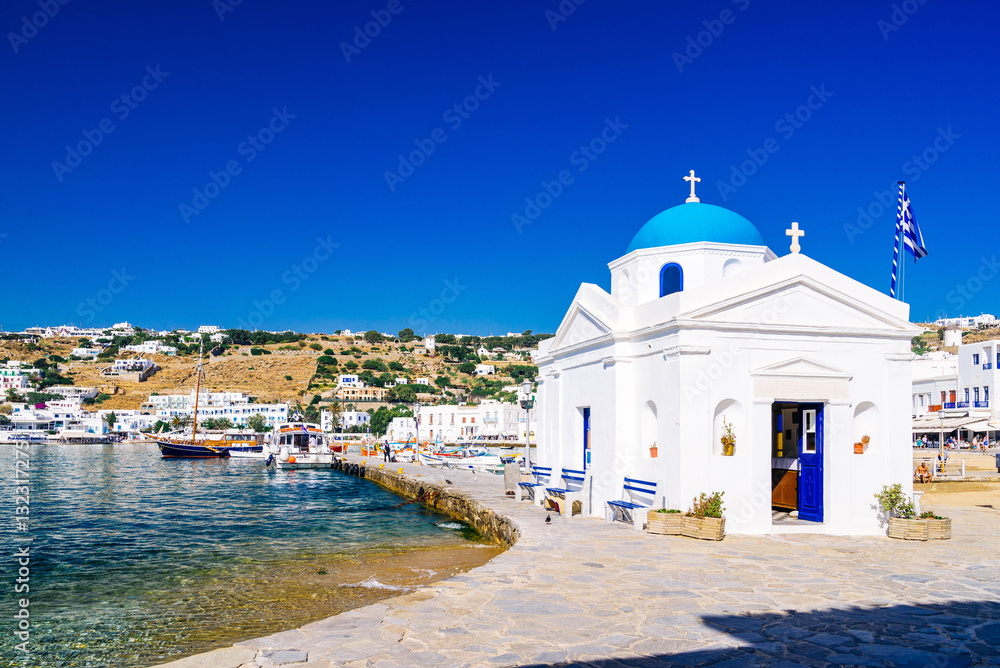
(706, 327)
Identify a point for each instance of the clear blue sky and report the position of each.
(442, 238)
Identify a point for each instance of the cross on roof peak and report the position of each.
(795, 233)
(693, 179)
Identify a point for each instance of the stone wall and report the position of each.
(492, 525)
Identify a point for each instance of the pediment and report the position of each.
(798, 303)
(580, 326)
(801, 367)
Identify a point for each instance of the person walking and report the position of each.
(385, 450)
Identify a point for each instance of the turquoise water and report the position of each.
(137, 559)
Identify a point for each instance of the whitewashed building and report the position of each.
(236, 406)
(16, 375)
(153, 347)
(706, 327)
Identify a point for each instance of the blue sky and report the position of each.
(228, 164)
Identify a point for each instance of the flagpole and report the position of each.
(895, 248)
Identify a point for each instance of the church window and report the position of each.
(671, 279)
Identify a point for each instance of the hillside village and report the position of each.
(136, 372)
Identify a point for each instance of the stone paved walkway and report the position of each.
(585, 593)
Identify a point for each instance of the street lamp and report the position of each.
(941, 442)
(526, 404)
(416, 424)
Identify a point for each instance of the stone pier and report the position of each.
(582, 592)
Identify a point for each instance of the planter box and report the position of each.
(859, 448)
(708, 528)
(664, 523)
(939, 529)
(908, 529)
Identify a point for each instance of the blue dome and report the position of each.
(693, 222)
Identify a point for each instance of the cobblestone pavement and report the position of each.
(585, 593)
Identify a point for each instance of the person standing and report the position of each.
(385, 450)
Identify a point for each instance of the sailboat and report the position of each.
(178, 446)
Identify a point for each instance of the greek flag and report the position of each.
(913, 240)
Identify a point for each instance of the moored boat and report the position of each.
(301, 445)
(478, 460)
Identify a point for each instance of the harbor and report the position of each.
(582, 591)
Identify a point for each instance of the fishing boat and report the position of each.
(466, 458)
(244, 444)
(179, 446)
(301, 445)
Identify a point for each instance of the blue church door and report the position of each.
(811, 462)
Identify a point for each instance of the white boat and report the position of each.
(23, 436)
(477, 460)
(300, 445)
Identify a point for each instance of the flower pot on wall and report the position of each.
(728, 449)
(859, 449)
(652, 451)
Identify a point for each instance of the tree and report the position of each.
(257, 422)
(371, 336)
(442, 381)
(336, 410)
(467, 367)
(180, 421)
(405, 394)
(375, 364)
(396, 366)
(406, 335)
(316, 346)
(111, 419)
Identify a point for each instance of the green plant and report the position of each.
(928, 515)
(287, 377)
(672, 511)
(894, 502)
(707, 505)
(316, 346)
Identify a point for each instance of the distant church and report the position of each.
(706, 327)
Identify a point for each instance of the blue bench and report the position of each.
(534, 489)
(638, 498)
(574, 495)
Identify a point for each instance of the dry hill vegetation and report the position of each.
(296, 371)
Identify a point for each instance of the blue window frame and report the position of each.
(975, 358)
(671, 279)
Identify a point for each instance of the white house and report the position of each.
(236, 406)
(485, 369)
(17, 376)
(705, 327)
(152, 348)
(85, 353)
(208, 329)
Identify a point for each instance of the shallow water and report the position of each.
(137, 559)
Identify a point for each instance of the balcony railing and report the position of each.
(987, 365)
(962, 404)
(948, 404)
(980, 404)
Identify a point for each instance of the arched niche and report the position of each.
(731, 267)
(729, 411)
(867, 422)
(648, 426)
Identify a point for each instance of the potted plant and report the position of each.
(705, 519)
(652, 450)
(666, 521)
(861, 446)
(903, 522)
(728, 439)
(938, 528)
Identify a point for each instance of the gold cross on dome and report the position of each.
(693, 179)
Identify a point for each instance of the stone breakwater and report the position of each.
(584, 592)
(443, 498)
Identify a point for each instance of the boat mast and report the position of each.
(197, 394)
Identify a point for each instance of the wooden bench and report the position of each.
(638, 498)
(535, 489)
(576, 491)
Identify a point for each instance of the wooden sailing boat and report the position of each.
(182, 447)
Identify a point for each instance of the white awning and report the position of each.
(982, 426)
(932, 425)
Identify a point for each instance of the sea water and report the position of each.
(136, 559)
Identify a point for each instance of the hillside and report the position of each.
(285, 373)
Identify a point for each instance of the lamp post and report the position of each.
(526, 404)
(416, 424)
(941, 442)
